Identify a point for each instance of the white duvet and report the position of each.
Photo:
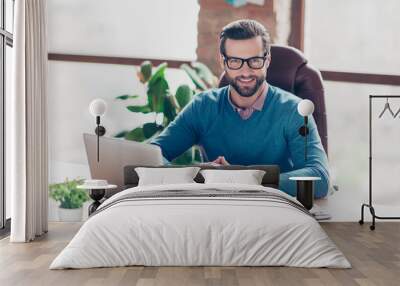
(200, 231)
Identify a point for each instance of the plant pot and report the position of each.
(70, 215)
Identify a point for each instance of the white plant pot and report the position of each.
(70, 215)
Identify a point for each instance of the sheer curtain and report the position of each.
(26, 145)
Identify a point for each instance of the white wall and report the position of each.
(347, 111)
(353, 35)
(143, 29)
(125, 28)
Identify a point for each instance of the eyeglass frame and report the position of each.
(226, 58)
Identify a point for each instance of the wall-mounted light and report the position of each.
(98, 108)
(305, 109)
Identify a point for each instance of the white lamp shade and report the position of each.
(305, 107)
(98, 107)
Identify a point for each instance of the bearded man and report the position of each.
(248, 122)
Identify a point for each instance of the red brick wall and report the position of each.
(215, 14)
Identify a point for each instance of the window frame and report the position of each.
(6, 39)
(296, 40)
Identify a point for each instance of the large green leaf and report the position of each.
(183, 95)
(169, 109)
(205, 73)
(135, 135)
(126, 96)
(149, 129)
(157, 91)
(194, 77)
(185, 158)
(190, 156)
(121, 134)
(143, 108)
(146, 69)
(197, 155)
(158, 74)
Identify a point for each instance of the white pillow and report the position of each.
(249, 177)
(163, 176)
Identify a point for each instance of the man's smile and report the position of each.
(246, 81)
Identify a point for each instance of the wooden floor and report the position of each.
(375, 257)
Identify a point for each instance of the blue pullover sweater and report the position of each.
(269, 136)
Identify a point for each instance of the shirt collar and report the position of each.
(257, 105)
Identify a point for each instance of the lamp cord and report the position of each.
(98, 136)
(305, 147)
(98, 147)
(305, 139)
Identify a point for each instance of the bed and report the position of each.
(201, 224)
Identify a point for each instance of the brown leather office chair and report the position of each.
(290, 71)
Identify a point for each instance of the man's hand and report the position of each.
(221, 161)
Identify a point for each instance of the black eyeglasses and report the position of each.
(234, 63)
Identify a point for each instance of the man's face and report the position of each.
(246, 81)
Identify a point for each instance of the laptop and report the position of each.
(115, 154)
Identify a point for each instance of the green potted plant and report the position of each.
(71, 199)
(161, 101)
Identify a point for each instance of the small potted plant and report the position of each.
(71, 199)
